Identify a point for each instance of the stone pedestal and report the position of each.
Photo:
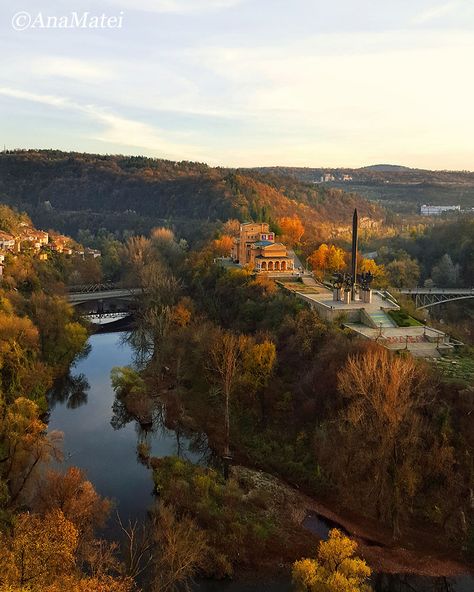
(367, 296)
(347, 297)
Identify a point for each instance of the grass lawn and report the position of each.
(299, 287)
(457, 366)
(403, 319)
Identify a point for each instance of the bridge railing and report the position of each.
(91, 288)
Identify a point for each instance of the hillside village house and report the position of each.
(38, 238)
(41, 244)
(61, 244)
(257, 248)
(7, 241)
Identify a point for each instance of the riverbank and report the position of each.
(375, 544)
(103, 440)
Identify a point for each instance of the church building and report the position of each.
(256, 247)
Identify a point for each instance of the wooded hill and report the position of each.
(397, 188)
(74, 190)
(379, 173)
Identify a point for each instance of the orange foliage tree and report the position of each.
(222, 246)
(292, 229)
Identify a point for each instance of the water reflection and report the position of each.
(83, 405)
(101, 438)
(70, 389)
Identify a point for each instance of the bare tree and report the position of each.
(225, 363)
(181, 550)
(137, 547)
(381, 428)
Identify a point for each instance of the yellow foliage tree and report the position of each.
(37, 550)
(26, 445)
(336, 259)
(369, 265)
(95, 584)
(336, 568)
(327, 258)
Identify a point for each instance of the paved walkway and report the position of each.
(420, 341)
(323, 295)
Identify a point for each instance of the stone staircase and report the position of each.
(381, 318)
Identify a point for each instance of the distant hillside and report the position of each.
(397, 187)
(378, 173)
(72, 190)
(386, 168)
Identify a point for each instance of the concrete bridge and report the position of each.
(427, 297)
(100, 292)
(104, 304)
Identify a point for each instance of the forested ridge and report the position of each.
(66, 186)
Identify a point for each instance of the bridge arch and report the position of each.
(428, 297)
(431, 304)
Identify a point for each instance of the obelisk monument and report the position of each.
(355, 241)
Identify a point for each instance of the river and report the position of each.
(107, 452)
(104, 444)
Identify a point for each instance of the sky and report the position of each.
(243, 82)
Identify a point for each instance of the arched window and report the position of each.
(270, 266)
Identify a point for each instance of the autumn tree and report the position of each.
(327, 259)
(336, 259)
(167, 249)
(336, 568)
(222, 246)
(292, 229)
(231, 227)
(370, 266)
(318, 260)
(180, 550)
(76, 497)
(224, 365)
(138, 256)
(37, 550)
(403, 272)
(160, 292)
(381, 429)
(26, 446)
(258, 365)
(19, 345)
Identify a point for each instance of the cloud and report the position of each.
(176, 6)
(437, 12)
(75, 69)
(115, 129)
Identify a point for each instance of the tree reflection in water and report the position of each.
(70, 389)
(187, 441)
